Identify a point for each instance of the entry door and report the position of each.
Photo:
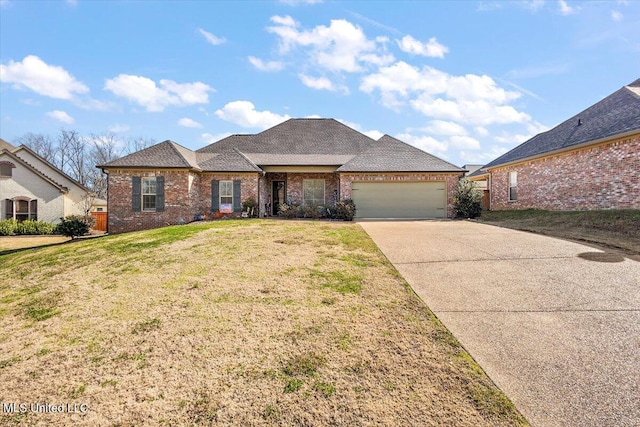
(279, 196)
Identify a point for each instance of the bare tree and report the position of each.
(137, 144)
(41, 144)
(104, 149)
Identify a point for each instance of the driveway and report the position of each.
(555, 324)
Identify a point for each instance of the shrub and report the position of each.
(289, 210)
(250, 206)
(345, 209)
(312, 211)
(329, 212)
(27, 227)
(467, 200)
(8, 227)
(74, 226)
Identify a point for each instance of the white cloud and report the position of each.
(373, 133)
(244, 113)
(466, 142)
(616, 16)
(481, 131)
(484, 156)
(565, 9)
(188, 123)
(425, 143)
(118, 128)
(210, 139)
(415, 47)
(266, 66)
(61, 116)
(322, 83)
(212, 39)
(48, 80)
(441, 127)
(146, 93)
(534, 5)
(469, 99)
(340, 47)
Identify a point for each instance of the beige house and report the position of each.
(32, 188)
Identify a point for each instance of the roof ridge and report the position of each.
(174, 145)
(54, 167)
(413, 146)
(253, 165)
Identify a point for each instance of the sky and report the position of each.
(463, 80)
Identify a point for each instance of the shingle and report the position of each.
(166, 154)
(389, 154)
(232, 161)
(616, 114)
(264, 159)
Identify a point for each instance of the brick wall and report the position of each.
(178, 204)
(248, 188)
(451, 179)
(294, 185)
(605, 176)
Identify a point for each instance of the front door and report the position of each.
(278, 196)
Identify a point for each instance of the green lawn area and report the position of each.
(252, 322)
(611, 228)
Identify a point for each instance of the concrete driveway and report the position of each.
(555, 324)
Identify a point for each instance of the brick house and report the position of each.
(32, 188)
(306, 161)
(589, 162)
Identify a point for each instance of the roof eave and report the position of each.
(565, 149)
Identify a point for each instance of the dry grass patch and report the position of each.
(232, 323)
(612, 228)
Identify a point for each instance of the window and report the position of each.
(513, 186)
(149, 194)
(21, 209)
(6, 169)
(313, 191)
(226, 196)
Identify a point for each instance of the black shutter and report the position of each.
(237, 205)
(136, 197)
(215, 195)
(159, 193)
(33, 209)
(8, 208)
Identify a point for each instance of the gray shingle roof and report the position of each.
(265, 159)
(232, 161)
(166, 154)
(296, 142)
(389, 154)
(616, 114)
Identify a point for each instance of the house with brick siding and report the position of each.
(32, 188)
(589, 162)
(313, 162)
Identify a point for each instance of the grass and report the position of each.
(232, 323)
(611, 228)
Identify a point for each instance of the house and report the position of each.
(32, 188)
(591, 161)
(307, 161)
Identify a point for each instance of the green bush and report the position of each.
(75, 225)
(346, 209)
(8, 227)
(467, 200)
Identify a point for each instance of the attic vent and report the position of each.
(579, 122)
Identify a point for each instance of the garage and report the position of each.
(400, 199)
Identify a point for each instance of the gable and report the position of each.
(48, 170)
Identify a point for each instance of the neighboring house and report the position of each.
(307, 161)
(591, 161)
(32, 188)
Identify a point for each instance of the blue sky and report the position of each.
(464, 80)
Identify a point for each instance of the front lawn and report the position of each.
(233, 323)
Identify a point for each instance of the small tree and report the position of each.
(73, 226)
(467, 200)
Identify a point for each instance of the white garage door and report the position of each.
(399, 199)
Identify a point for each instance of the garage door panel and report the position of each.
(399, 199)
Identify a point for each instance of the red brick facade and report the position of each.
(603, 176)
(451, 179)
(186, 195)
